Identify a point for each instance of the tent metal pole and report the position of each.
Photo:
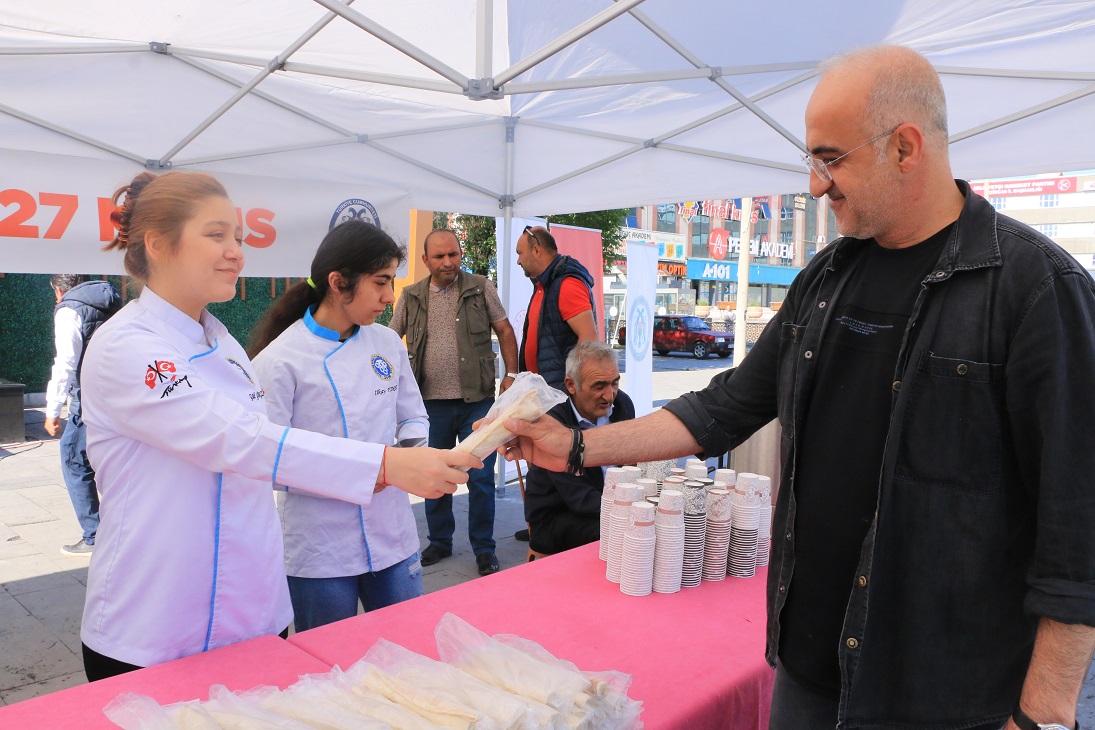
(73, 48)
(605, 16)
(265, 96)
(658, 141)
(430, 168)
(502, 255)
(484, 38)
(265, 151)
(591, 82)
(718, 81)
(409, 82)
(1017, 74)
(1028, 112)
(405, 82)
(734, 158)
(71, 134)
(741, 330)
(408, 49)
(244, 90)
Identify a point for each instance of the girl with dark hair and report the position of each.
(327, 367)
(189, 552)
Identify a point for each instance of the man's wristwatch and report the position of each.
(510, 375)
(1023, 721)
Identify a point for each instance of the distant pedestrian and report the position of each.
(82, 306)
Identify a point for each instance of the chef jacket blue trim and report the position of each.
(316, 328)
(216, 344)
(334, 388)
(216, 560)
(277, 458)
(325, 333)
(368, 553)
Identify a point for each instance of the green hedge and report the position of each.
(26, 322)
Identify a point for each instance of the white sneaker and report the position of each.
(78, 550)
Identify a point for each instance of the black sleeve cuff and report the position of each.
(713, 440)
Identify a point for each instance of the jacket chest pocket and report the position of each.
(476, 311)
(952, 428)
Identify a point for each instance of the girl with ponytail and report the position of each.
(327, 367)
(189, 553)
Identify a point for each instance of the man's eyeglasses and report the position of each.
(821, 167)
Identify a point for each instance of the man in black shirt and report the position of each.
(933, 557)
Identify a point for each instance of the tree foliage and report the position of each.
(476, 235)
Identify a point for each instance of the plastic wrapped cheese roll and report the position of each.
(527, 399)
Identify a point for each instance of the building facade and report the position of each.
(1060, 205)
(699, 244)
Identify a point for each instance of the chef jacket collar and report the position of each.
(196, 332)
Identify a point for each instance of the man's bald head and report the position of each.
(900, 86)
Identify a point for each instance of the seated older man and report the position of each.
(563, 511)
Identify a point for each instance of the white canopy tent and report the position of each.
(516, 107)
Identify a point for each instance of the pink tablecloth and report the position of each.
(263, 661)
(697, 657)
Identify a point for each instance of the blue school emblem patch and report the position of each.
(382, 367)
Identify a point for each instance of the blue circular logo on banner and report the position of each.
(639, 328)
(355, 209)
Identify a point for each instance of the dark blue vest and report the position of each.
(555, 338)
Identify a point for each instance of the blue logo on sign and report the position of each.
(355, 209)
(639, 328)
(382, 367)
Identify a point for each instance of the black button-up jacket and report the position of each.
(986, 497)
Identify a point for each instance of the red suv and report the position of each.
(686, 334)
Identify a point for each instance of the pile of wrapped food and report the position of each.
(482, 683)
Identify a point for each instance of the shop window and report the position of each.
(667, 218)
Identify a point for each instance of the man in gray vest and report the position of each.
(447, 319)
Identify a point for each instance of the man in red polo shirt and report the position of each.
(560, 314)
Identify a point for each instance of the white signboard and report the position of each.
(55, 215)
(642, 281)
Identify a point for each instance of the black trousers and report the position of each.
(562, 531)
(98, 666)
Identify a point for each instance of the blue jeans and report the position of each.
(320, 601)
(449, 419)
(79, 476)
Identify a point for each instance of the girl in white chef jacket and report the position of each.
(189, 554)
(327, 367)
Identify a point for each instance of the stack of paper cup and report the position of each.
(637, 564)
(669, 546)
(695, 469)
(695, 531)
(742, 558)
(626, 495)
(658, 470)
(727, 476)
(764, 537)
(649, 486)
(717, 541)
(673, 481)
(677, 471)
(613, 476)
